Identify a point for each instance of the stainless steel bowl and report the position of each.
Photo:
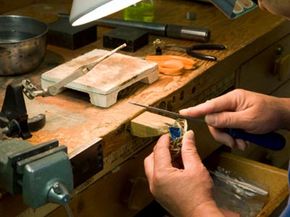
(22, 44)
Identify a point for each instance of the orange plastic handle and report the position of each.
(172, 64)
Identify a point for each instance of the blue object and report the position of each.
(272, 140)
(175, 132)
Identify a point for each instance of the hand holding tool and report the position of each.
(271, 140)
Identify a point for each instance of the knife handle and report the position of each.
(273, 141)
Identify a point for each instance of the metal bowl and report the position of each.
(22, 44)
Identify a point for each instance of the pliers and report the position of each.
(191, 51)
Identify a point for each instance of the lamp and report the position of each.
(85, 11)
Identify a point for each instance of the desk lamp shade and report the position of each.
(85, 11)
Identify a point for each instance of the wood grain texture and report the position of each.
(76, 123)
(69, 117)
(150, 125)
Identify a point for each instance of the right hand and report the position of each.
(278, 7)
(253, 112)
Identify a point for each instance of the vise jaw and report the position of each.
(41, 173)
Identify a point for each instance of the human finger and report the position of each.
(241, 144)
(149, 167)
(222, 137)
(227, 120)
(188, 150)
(162, 158)
(222, 103)
(261, 6)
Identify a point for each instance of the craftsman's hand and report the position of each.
(278, 7)
(183, 192)
(252, 112)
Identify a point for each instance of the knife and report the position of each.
(272, 140)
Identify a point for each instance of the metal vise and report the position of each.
(41, 173)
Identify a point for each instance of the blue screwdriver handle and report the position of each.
(273, 141)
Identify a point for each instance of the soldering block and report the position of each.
(61, 33)
(133, 37)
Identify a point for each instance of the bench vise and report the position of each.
(41, 173)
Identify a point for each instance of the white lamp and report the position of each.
(85, 11)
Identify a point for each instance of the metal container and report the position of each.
(22, 44)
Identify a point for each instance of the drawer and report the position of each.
(124, 191)
(283, 90)
(261, 73)
(272, 179)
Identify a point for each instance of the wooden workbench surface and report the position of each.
(76, 123)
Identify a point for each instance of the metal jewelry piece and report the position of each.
(176, 132)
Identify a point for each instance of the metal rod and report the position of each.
(168, 113)
(56, 88)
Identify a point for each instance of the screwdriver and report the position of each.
(272, 140)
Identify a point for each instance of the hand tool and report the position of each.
(191, 50)
(167, 30)
(271, 140)
(14, 120)
(35, 171)
(172, 64)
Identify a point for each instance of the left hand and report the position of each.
(183, 192)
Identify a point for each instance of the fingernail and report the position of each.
(183, 111)
(209, 119)
(189, 134)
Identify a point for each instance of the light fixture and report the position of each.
(85, 11)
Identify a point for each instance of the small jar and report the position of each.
(142, 11)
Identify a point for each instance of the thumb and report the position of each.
(188, 150)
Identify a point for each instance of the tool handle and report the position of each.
(200, 55)
(207, 46)
(188, 32)
(273, 141)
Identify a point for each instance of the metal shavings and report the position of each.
(232, 192)
(176, 132)
(240, 186)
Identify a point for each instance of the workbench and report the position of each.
(80, 126)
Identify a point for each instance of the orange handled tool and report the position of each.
(172, 64)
